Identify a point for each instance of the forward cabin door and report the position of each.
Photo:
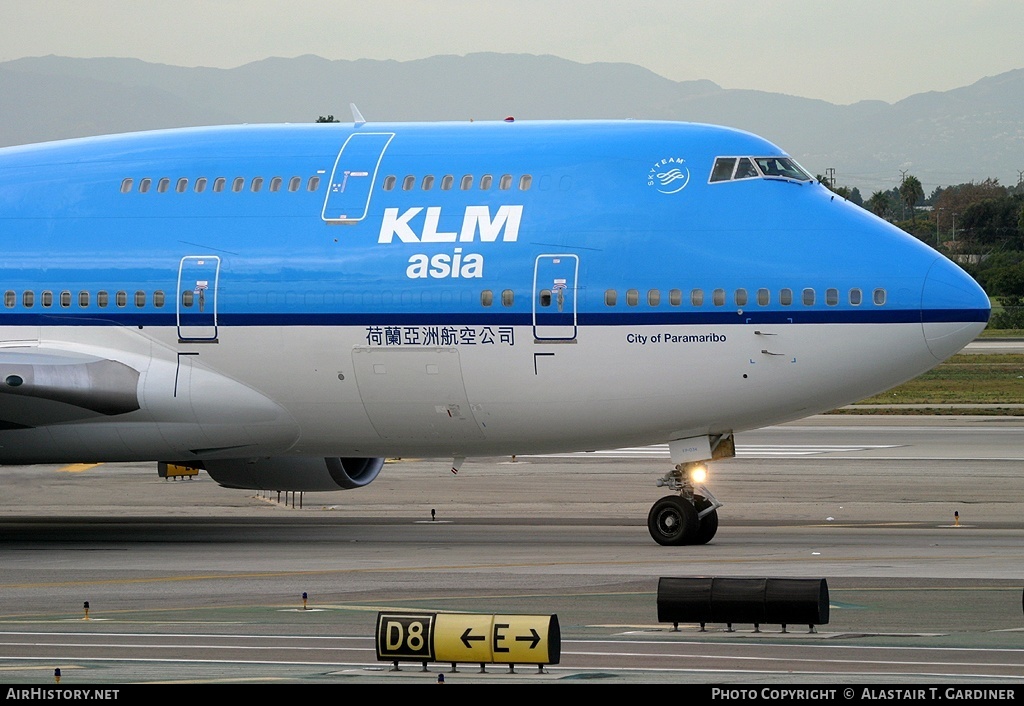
(554, 297)
(197, 298)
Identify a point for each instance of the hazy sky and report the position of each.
(840, 51)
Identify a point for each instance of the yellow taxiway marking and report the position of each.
(78, 467)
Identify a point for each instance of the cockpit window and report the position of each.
(723, 169)
(781, 167)
(733, 168)
(745, 170)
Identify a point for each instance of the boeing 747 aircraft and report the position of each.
(284, 306)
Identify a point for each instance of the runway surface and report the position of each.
(916, 523)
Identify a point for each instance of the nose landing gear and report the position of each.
(690, 517)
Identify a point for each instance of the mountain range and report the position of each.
(965, 134)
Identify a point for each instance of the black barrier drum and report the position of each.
(777, 601)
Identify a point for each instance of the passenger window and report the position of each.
(313, 184)
(65, 299)
(47, 299)
(187, 298)
(238, 184)
(428, 182)
(163, 185)
(808, 297)
(697, 297)
(653, 297)
(28, 298)
(126, 185)
(831, 297)
(275, 184)
(632, 297)
(675, 297)
(83, 299)
(10, 299)
(467, 182)
(506, 182)
(389, 182)
(508, 297)
(524, 182)
(200, 185)
(158, 298)
(121, 299)
(741, 297)
(718, 297)
(879, 297)
(182, 186)
(219, 183)
(408, 183)
(485, 182)
(611, 297)
(785, 297)
(257, 184)
(545, 297)
(722, 170)
(140, 299)
(487, 297)
(295, 182)
(446, 182)
(855, 297)
(764, 297)
(102, 299)
(144, 185)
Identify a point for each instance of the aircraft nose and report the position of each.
(954, 308)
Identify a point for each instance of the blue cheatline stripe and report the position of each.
(624, 318)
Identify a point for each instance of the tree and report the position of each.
(327, 119)
(911, 192)
(878, 204)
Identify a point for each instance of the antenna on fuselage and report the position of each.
(357, 117)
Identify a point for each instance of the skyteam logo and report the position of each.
(669, 175)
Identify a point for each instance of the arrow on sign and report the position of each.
(533, 640)
(466, 638)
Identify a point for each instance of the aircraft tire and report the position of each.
(672, 521)
(707, 525)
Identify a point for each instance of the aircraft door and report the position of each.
(554, 297)
(197, 298)
(355, 170)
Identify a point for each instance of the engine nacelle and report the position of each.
(298, 474)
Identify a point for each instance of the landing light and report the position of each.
(698, 475)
